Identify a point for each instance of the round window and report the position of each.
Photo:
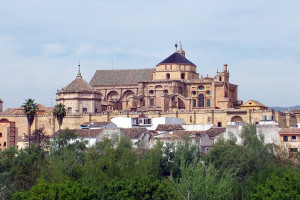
(194, 92)
(208, 92)
(151, 92)
(201, 87)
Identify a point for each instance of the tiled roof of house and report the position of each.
(169, 127)
(20, 111)
(94, 124)
(295, 111)
(121, 77)
(176, 58)
(183, 133)
(253, 103)
(214, 131)
(133, 132)
(83, 133)
(289, 130)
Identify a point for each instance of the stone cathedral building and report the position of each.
(172, 85)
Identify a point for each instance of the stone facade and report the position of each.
(79, 97)
(173, 85)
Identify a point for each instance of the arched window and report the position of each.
(84, 110)
(201, 100)
(182, 76)
(168, 76)
(69, 109)
(166, 91)
(220, 78)
(219, 124)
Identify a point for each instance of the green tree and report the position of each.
(59, 112)
(198, 181)
(55, 191)
(30, 109)
(279, 187)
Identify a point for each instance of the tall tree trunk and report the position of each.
(29, 134)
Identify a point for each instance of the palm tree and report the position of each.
(59, 112)
(30, 109)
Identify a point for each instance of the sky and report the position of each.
(42, 42)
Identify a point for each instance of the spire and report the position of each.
(79, 74)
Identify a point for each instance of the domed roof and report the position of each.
(78, 85)
(176, 58)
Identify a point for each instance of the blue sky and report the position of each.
(43, 41)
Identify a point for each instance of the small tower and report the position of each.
(1, 106)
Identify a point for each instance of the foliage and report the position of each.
(55, 191)
(30, 109)
(62, 140)
(38, 136)
(59, 112)
(279, 187)
(252, 161)
(198, 181)
(19, 170)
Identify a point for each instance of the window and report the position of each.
(152, 102)
(69, 109)
(0, 135)
(201, 100)
(201, 87)
(208, 103)
(84, 110)
(294, 139)
(194, 93)
(166, 91)
(182, 76)
(170, 67)
(285, 138)
(271, 117)
(4, 144)
(165, 67)
(194, 102)
(219, 124)
(168, 76)
(208, 92)
(96, 110)
(293, 150)
(264, 117)
(220, 78)
(151, 92)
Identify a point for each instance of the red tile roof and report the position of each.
(169, 127)
(289, 130)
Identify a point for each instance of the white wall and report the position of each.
(197, 127)
(122, 122)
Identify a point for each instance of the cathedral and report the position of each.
(172, 85)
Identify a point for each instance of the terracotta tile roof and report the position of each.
(14, 111)
(133, 132)
(295, 111)
(121, 77)
(82, 132)
(183, 133)
(214, 131)
(169, 127)
(255, 103)
(289, 130)
(95, 124)
(78, 85)
(176, 58)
